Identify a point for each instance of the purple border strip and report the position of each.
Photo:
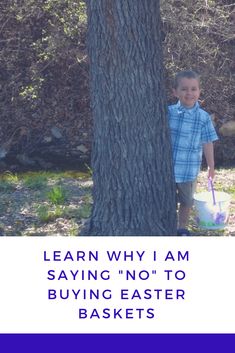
(43, 343)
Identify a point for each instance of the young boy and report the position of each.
(192, 132)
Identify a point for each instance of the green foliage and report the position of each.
(10, 177)
(46, 214)
(8, 181)
(57, 195)
(35, 181)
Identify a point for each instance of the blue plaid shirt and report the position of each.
(190, 129)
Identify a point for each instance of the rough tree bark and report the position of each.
(134, 191)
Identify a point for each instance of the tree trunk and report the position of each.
(134, 190)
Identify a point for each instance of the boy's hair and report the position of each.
(185, 74)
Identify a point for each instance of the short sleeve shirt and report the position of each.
(190, 129)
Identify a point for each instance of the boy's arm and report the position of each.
(208, 150)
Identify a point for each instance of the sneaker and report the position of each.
(183, 231)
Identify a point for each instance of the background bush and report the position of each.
(44, 70)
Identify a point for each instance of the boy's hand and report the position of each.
(211, 173)
(209, 154)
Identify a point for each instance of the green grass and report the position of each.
(6, 186)
(35, 181)
(57, 175)
(31, 202)
(84, 211)
(46, 214)
(231, 190)
(8, 182)
(57, 195)
(10, 177)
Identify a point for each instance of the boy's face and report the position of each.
(187, 92)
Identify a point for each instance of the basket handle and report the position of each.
(211, 188)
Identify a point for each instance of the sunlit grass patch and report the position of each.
(57, 195)
(10, 177)
(47, 214)
(8, 181)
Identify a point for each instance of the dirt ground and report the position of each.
(25, 210)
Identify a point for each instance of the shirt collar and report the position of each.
(183, 109)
